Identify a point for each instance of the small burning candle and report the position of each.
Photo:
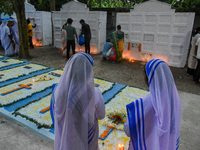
(121, 146)
(33, 83)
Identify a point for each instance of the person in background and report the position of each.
(107, 46)
(71, 33)
(0, 35)
(64, 41)
(30, 32)
(192, 62)
(118, 42)
(154, 121)
(196, 75)
(15, 33)
(76, 105)
(6, 39)
(85, 30)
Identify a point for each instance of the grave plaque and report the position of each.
(27, 67)
(4, 61)
(148, 38)
(55, 74)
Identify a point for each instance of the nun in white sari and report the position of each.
(154, 121)
(6, 39)
(15, 33)
(76, 106)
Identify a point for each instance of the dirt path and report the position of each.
(127, 73)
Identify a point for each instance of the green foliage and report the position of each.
(60, 3)
(112, 3)
(43, 5)
(6, 6)
(183, 3)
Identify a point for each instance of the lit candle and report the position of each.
(33, 83)
(120, 146)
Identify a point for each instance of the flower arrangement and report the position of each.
(20, 71)
(32, 113)
(9, 62)
(22, 94)
(44, 78)
(103, 85)
(112, 121)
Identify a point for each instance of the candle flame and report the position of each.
(93, 49)
(37, 42)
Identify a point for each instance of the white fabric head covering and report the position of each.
(155, 119)
(3, 32)
(75, 105)
(165, 98)
(15, 32)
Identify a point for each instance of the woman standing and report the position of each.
(154, 121)
(64, 42)
(192, 62)
(118, 42)
(76, 106)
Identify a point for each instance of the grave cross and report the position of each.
(21, 87)
(109, 129)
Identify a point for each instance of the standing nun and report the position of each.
(154, 121)
(76, 106)
(15, 33)
(6, 40)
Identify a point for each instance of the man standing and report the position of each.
(85, 30)
(196, 75)
(71, 33)
(30, 32)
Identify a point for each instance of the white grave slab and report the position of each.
(162, 33)
(77, 11)
(42, 34)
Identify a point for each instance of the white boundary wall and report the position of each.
(77, 11)
(162, 32)
(43, 31)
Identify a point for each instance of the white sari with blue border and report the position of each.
(154, 121)
(76, 106)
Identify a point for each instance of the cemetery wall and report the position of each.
(77, 11)
(161, 32)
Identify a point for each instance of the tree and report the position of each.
(52, 5)
(17, 6)
(48, 5)
(183, 3)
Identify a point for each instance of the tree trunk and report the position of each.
(19, 9)
(52, 5)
